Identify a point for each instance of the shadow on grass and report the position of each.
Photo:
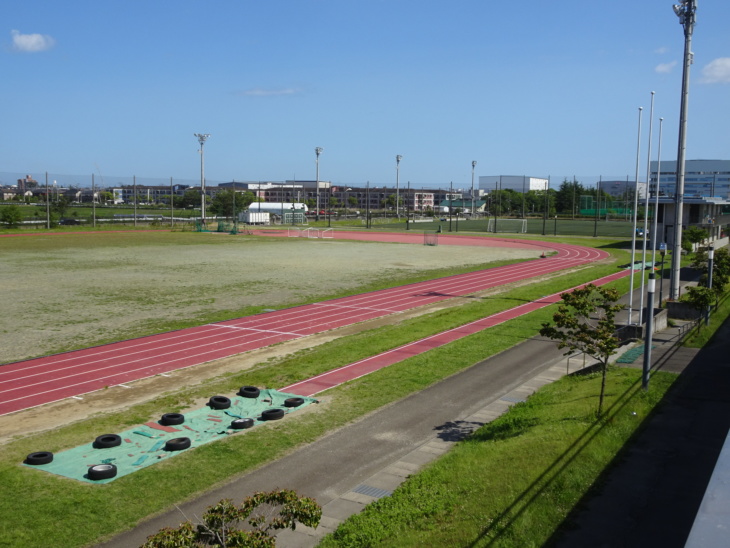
(502, 522)
(457, 430)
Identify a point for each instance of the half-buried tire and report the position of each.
(177, 444)
(240, 424)
(293, 402)
(102, 471)
(39, 457)
(272, 414)
(107, 440)
(249, 392)
(219, 402)
(171, 419)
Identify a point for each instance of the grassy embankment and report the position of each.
(515, 480)
(63, 513)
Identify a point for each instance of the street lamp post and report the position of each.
(473, 165)
(662, 252)
(686, 13)
(317, 151)
(398, 158)
(710, 261)
(201, 139)
(649, 332)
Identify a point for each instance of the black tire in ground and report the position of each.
(39, 457)
(107, 440)
(102, 471)
(177, 444)
(249, 392)
(272, 414)
(171, 419)
(293, 402)
(240, 424)
(219, 402)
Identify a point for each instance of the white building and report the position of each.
(702, 178)
(518, 183)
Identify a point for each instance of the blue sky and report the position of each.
(525, 87)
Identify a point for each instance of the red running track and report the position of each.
(330, 379)
(51, 378)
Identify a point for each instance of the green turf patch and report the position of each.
(630, 356)
(148, 444)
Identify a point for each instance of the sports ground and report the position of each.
(52, 378)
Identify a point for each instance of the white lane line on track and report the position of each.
(253, 329)
(350, 307)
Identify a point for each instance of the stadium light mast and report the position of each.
(473, 165)
(317, 151)
(686, 13)
(398, 158)
(201, 139)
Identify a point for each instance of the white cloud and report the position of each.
(717, 71)
(260, 92)
(31, 43)
(661, 50)
(665, 68)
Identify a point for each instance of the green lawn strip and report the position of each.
(89, 512)
(517, 478)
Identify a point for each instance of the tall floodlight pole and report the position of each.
(686, 13)
(317, 151)
(201, 139)
(633, 235)
(398, 158)
(473, 165)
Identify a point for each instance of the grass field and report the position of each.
(60, 512)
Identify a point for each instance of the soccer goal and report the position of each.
(328, 233)
(430, 238)
(507, 225)
(293, 232)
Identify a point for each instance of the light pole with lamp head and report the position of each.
(398, 158)
(686, 13)
(473, 165)
(201, 139)
(317, 151)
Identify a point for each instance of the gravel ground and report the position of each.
(70, 291)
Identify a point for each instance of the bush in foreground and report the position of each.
(221, 522)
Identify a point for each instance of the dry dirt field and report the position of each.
(64, 291)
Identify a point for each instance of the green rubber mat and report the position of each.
(632, 355)
(153, 442)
